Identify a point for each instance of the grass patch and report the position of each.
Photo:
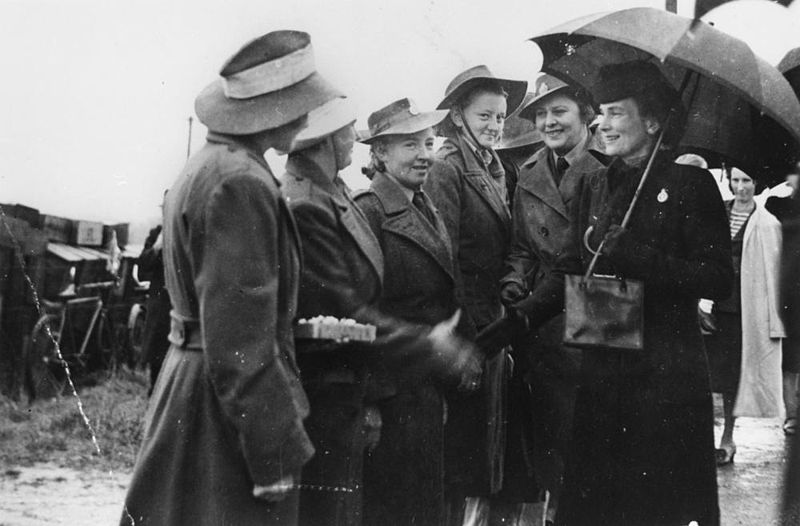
(54, 431)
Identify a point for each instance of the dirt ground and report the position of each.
(47, 494)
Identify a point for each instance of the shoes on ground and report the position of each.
(790, 426)
(725, 454)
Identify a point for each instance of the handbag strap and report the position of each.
(635, 198)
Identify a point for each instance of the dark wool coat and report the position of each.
(644, 429)
(342, 277)
(228, 416)
(471, 198)
(404, 475)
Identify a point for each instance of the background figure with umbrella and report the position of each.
(644, 428)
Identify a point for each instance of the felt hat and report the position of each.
(547, 85)
(465, 81)
(323, 121)
(401, 117)
(620, 81)
(519, 131)
(269, 82)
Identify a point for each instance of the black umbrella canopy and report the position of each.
(738, 105)
(790, 67)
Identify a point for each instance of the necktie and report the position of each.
(419, 201)
(561, 168)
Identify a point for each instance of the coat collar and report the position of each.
(536, 177)
(405, 220)
(347, 211)
(475, 171)
(233, 142)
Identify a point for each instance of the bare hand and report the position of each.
(274, 492)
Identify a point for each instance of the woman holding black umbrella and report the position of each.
(644, 436)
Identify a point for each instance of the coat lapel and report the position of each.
(476, 176)
(536, 179)
(406, 221)
(350, 216)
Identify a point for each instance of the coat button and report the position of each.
(544, 231)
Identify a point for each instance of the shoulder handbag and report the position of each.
(606, 312)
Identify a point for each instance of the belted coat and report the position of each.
(541, 231)
(471, 198)
(404, 475)
(228, 408)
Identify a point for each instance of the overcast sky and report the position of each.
(96, 94)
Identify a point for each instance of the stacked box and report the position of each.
(57, 229)
(89, 233)
(25, 213)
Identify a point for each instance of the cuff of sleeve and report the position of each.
(289, 458)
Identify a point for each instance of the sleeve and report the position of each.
(771, 242)
(238, 286)
(522, 260)
(444, 187)
(705, 270)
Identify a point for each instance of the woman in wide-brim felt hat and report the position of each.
(403, 478)
(224, 441)
(467, 185)
(548, 181)
(343, 269)
(644, 426)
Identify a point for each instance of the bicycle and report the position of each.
(77, 333)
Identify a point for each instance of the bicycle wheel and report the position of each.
(45, 375)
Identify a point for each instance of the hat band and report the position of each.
(270, 76)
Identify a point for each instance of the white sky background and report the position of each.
(97, 93)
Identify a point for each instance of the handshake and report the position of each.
(455, 356)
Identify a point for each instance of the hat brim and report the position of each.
(338, 113)
(527, 111)
(516, 90)
(526, 139)
(265, 112)
(414, 124)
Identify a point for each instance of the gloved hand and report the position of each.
(455, 356)
(274, 492)
(511, 292)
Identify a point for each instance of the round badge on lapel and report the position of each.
(662, 196)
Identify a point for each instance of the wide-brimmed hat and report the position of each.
(519, 131)
(269, 82)
(473, 77)
(323, 121)
(401, 117)
(547, 85)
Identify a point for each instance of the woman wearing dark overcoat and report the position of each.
(404, 474)
(644, 429)
(468, 187)
(224, 440)
(342, 276)
(541, 230)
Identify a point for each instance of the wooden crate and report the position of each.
(89, 233)
(57, 229)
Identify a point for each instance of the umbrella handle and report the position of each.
(635, 198)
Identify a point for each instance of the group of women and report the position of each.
(406, 433)
(433, 422)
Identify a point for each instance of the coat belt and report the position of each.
(185, 332)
